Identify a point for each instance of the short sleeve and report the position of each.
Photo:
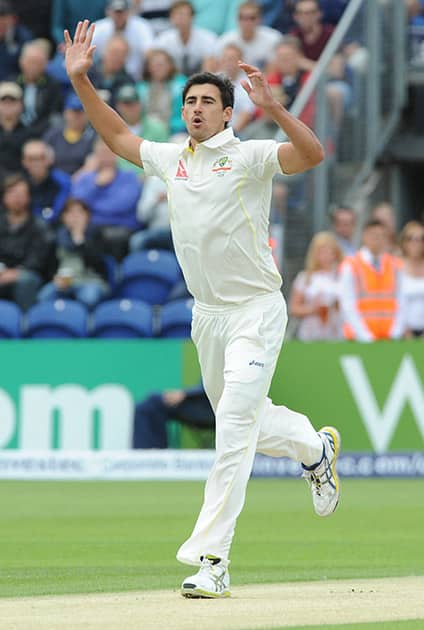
(263, 158)
(157, 157)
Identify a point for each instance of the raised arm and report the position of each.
(108, 124)
(304, 150)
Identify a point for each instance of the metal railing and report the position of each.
(377, 83)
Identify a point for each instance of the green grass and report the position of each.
(105, 536)
(416, 624)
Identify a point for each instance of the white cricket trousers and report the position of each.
(238, 347)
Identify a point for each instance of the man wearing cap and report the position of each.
(13, 132)
(73, 141)
(136, 30)
(12, 37)
(129, 106)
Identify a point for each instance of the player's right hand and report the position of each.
(79, 51)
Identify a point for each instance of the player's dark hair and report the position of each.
(223, 84)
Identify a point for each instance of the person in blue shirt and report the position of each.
(112, 194)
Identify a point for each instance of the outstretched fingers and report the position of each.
(67, 38)
(246, 85)
(248, 69)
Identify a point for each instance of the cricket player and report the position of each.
(219, 192)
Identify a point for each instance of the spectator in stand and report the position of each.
(113, 195)
(153, 214)
(67, 13)
(371, 299)
(243, 110)
(312, 32)
(315, 295)
(73, 140)
(134, 29)
(343, 224)
(49, 187)
(13, 132)
(34, 15)
(188, 406)
(129, 106)
(412, 246)
(386, 214)
(289, 74)
(42, 95)
(161, 88)
(110, 73)
(24, 245)
(216, 16)
(255, 40)
(314, 35)
(81, 272)
(192, 48)
(12, 37)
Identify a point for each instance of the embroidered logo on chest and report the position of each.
(222, 165)
(181, 171)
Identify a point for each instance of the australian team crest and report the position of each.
(222, 165)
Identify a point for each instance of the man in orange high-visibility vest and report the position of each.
(370, 289)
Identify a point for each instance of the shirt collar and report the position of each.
(216, 141)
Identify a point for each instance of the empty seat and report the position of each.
(175, 319)
(148, 276)
(61, 319)
(122, 319)
(10, 320)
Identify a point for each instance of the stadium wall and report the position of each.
(68, 406)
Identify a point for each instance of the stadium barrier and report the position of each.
(63, 398)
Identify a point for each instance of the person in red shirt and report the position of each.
(310, 30)
(313, 35)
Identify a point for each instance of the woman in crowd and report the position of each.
(412, 246)
(160, 90)
(314, 299)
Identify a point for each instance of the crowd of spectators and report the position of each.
(366, 291)
(68, 203)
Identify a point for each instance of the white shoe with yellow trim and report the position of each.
(212, 581)
(322, 478)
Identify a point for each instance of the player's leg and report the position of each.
(254, 339)
(286, 433)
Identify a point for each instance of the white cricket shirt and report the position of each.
(219, 199)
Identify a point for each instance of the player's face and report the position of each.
(203, 113)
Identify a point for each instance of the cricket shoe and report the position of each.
(212, 581)
(322, 478)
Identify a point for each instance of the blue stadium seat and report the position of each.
(148, 276)
(122, 319)
(175, 319)
(10, 320)
(61, 319)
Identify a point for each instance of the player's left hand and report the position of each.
(258, 89)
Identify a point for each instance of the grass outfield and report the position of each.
(62, 537)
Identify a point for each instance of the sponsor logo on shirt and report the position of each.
(257, 363)
(222, 165)
(181, 171)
